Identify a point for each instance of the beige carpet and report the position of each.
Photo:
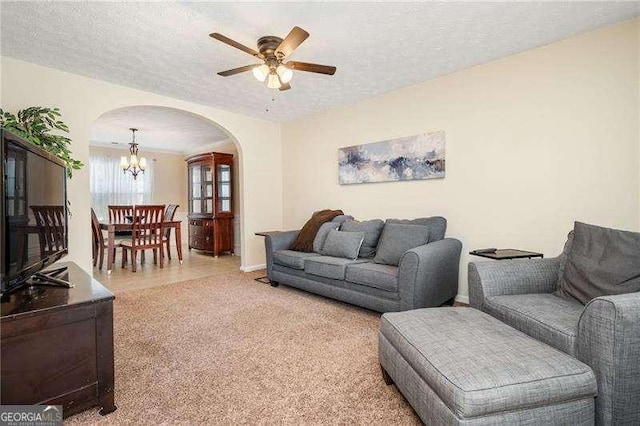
(227, 349)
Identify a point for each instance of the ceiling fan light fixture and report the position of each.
(273, 50)
(261, 72)
(285, 73)
(273, 82)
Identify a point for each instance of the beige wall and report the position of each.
(82, 100)
(534, 142)
(170, 179)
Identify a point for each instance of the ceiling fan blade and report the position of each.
(235, 44)
(285, 86)
(294, 39)
(305, 66)
(238, 70)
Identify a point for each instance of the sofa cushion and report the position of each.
(601, 262)
(292, 259)
(477, 365)
(321, 235)
(547, 317)
(397, 239)
(329, 267)
(372, 228)
(384, 277)
(437, 225)
(343, 244)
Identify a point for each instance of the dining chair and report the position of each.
(99, 242)
(50, 221)
(169, 214)
(118, 214)
(147, 232)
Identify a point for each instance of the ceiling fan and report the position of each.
(273, 51)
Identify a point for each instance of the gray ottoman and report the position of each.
(461, 366)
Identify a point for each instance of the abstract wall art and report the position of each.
(408, 158)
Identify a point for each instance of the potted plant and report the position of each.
(36, 124)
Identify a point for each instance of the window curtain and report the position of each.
(110, 186)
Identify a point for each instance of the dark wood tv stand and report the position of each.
(56, 345)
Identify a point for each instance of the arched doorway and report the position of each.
(167, 136)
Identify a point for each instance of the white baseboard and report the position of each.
(236, 250)
(462, 298)
(253, 268)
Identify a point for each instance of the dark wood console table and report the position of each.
(508, 254)
(57, 345)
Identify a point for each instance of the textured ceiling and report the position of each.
(377, 47)
(159, 128)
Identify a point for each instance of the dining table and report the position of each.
(112, 228)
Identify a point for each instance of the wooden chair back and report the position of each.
(148, 226)
(169, 214)
(118, 214)
(50, 221)
(95, 229)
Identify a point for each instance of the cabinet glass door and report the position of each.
(195, 178)
(207, 188)
(224, 188)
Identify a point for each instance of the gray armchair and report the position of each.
(604, 334)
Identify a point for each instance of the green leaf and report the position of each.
(35, 125)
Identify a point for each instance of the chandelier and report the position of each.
(133, 164)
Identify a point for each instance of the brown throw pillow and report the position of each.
(304, 240)
(601, 262)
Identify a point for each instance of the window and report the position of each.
(109, 185)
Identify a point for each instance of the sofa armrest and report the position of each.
(428, 275)
(274, 241)
(502, 277)
(609, 343)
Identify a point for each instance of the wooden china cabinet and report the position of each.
(210, 202)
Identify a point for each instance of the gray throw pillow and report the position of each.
(437, 225)
(343, 244)
(563, 260)
(601, 262)
(342, 218)
(321, 235)
(397, 239)
(372, 228)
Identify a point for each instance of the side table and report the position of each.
(265, 279)
(506, 254)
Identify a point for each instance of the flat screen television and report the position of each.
(33, 209)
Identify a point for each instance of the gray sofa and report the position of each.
(604, 334)
(426, 276)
